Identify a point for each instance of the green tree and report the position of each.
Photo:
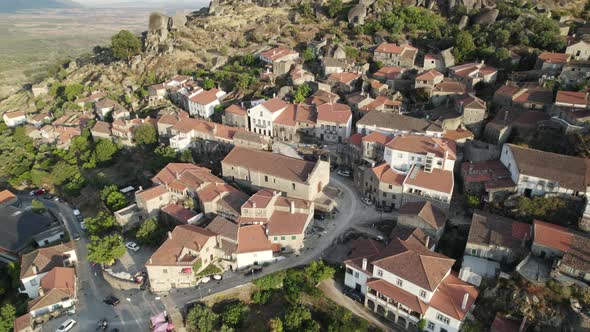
(295, 316)
(38, 206)
(208, 84)
(150, 232)
(145, 134)
(125, 44)
(261, 296)
(102, 223)
(308, 54)
(105, 250)
(163, 156)
(72, 91)
(317, 272)
(116, 201)
(234, 314)
(275, 324)
(7, 317)
(334, 8)
(271, 281)
(186, 156)
(105, 150)
(301, 93)
(201, 319)
(464, 46)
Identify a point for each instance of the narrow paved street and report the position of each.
(132, 315)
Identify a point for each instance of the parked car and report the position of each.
(367, 200)
(253, 270)
(66, 326)
(217, 276)
(353, 295)
(205, 280)
(344, 172)
(39, 192)
(387, 209)
(78, 215)
(83, 226)
(102, 324)
(319, 216)
(132, 246)
(111, 300)
(75, 237)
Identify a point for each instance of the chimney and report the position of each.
(41, 292)
(364, 264)
(427, 242)
(506, 115)
(464, 303)
(522, 324)
(35, 269)
(253, 204)
(292, 207)
(170, 235)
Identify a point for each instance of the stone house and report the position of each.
(528, 97)
(235, 116)
(572, 109)
(344, 82)
(39, 119)
(474, 111)
(575, 72)
(425, 216)
(57, 292)
(156, 93)
(486, 179)
(334, 122)
(395, 55)
(497, 238)
(428, 80)
(278, 54)
(187, 251)
(579, 50)
(101, 129)
(295, 120)
(407, 282)
(383, 185)
(551, 63)
(300, 76)
(391, 124)
(445, 90)
(336, 66)
(389, 74)
(107, 106)
(373, 146)
(260, 169)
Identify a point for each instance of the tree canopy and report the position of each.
(145, 134)
(105, 250)
(201, 319)
(113, 198)
(150, 232)
(125, 44)
(102, 223)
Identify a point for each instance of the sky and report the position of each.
(155, 2)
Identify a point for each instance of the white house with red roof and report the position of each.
(404, 151)
(202, 103)
(428, 79)
(15, 118)
(278, 54)
(406, 282)
(552, 63)
(263, 115)
(334, 122)
(472, 73)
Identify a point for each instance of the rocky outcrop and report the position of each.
(159, 27)
(357, 14)
(486, 16)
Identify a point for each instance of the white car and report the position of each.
(66, 326)
(83, 226)
(217, 276)
(132, 246)
(344, 173)
(367, 200)
(76, 212)
(205, 280)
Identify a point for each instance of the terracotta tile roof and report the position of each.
(428, 75)
(286, 223)
(14, 114)
(389, 72)
(251, 238)
(572, 97)
(50, 298)
(398, 294)
(379, 104)
(184, 236)
(23, 322)
(44, 259)
(552, 236)
(179, 212)
(472, 69)
(470, 101)
(419, 144)
(578, 255)
(551, 57)
(101, 127)
(438, 180)
(412, 261)
(189, 175)
(538, 95)
(449, 85)
(344, 78)
(151, 193)
(531, 118)
(376, 137)
(62, 278)
(277, 53)
(457, 135)
(292, 169)
(507, 90)
(495, 231)
(337, 113)
(295, 113)
(356, 139)
(394, 48)
(205, 97)
(260, 199)
(107, 103)
(569, 172)
(224, 228)
(235, 109)
(428, 212)
(274, 105)
(6, 196)
(387, 175)
(448, 297)
(322, 97)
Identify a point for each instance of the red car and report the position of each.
(40, 192)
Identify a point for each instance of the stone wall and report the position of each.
(120, 283)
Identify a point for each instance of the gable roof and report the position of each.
(492, 230)
(394, 48)
(44, 259)
(448, 297)
(427, 211)
(552, 57)
(419, 144)
(552, 236)
(437, 180)
(274, 105)
(236, 109)
(396, 121)
(224, 228)
(376, 137)
(184, 236)
(338, 113)
(386, 174)
(62, 278)
(429, 75)
(252, 238)
(274, 164)
(6, 196)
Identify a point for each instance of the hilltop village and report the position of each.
(426, 170)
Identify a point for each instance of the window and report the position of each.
(422, 293)
(282, 238)
(276, 238)
(356, 275)
(293, 237)
(431, 326)
(165, 271)
(266, 178)
(348, 270)
(400, 282)
(443, 319)
(525, 179)
(34, 282)
(380, 273)
(390, 186)
(293, 184)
